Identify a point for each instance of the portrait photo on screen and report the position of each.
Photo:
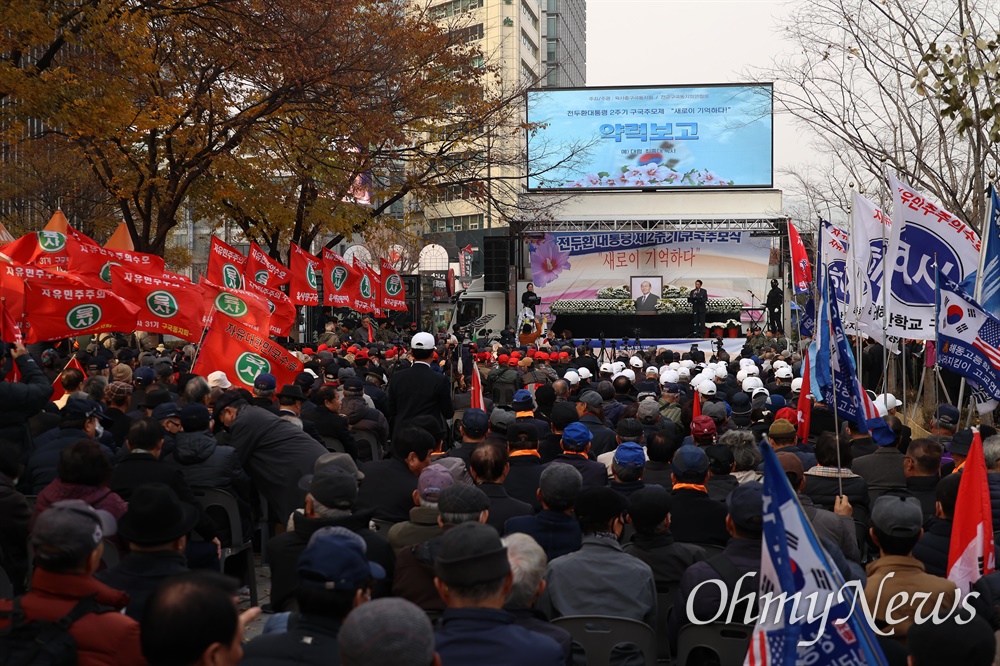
(646, 291)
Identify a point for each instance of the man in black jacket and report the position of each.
(696, 517)
(419, 389)
(575, 444)
(525, 464)
(488, 466)
(330, 502)
(389, 484)
(21, 400)
(327, 422)
(649, 512)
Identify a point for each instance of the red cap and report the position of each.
(322, 348)
(435, 356)
(531, 353)
(309, 351)
(390, 353)
(702, 426)
(563, 355)
(512, 362)
(352, 350)
(503, 359)
(541, 356)
(362, 354)
(788, 413)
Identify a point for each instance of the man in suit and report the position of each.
(418, 389)
(646, 301)
(698, 298)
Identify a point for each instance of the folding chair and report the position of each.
(600, 634)
(664, 602)
(729, 642)
(333, 444)
(110, 555)
(367, 441)
(212, 497)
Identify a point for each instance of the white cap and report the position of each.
(780, 364)
(879, 403)
(670, 376)
(746, 362)
(675, 365)
(617, 367)
(652, 372)
(687, 363)
(760, 389)
(889, 400)
(606, 367)
(683, 372)
(422, 340)
(740, 376)
(629, 373)
(750, 383)
(218, 379)
(721, 373)
(796, 385)
(753, 371)
(572, 377)
(584, 373)
(783, 373)
(664, 368)
(706, 388)
(635, 362)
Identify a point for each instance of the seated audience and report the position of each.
(555, 527)
(649, 514)
(697, 518)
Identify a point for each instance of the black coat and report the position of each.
(311, 640)
(594, 473)
(14, 516)
(44, 462)
(331, 424)
(283, 552)
(387, 489)
(523, 479)
(605, 438)
(557, 533)
(21, 400)
(502, 506)
(417, 391)
(140, 467)
(140, 574)
(697, 518)
(932, 549)
(666, 557)
(823, 492)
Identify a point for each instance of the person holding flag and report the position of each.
(21, 400)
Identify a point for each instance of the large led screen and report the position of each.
(662, 137)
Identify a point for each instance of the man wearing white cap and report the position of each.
(419, 390)
(782, 384)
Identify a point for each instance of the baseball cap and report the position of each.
(145, 376)
(522, 434)
(897, 516)
(592, 398)
(648, 507)
(648, 409)
(585, 373)
(791, 464)
(605, 368)
(82, 408)
(432, 481)
(475, 422)
(334, 487)
(563, 414)
(703, 426)
(783, 373)
(218, 379)
(689, 460)
(576, 435)
(334, 559)
(781, 428)
(746, 507)
(715, 411)
(599, 504)
(629, 429)
(522, 399)
(775, 402)
(947, 416)
(707, 388)
(572, 377)
(194, 418)
(501, 419)
(635, 362)
(630, 454)
(168, 410)
(422, 340)
(69, 529)
(796, 385)
(671, 387)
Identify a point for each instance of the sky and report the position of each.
(643, 42)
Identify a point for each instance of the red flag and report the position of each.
(281, 308)
(165, 306)
(249, 308)
(97, 261)
(366, 298)
(805, 402)
(306, 271)
(338, 277)
(176, 277)
(48, 249)
(225, 265)
(696, 406)
(243, 353)
(801, 271)
(58, 305)
(971, 554)
(393, 293)
(57, 388)
(478, 401)
(262, 269)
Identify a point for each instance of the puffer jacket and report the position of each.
(203, 462)
(932, 549)
(362, 418)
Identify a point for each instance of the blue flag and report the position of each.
(989, 282)
(794, 563)
(807, 319)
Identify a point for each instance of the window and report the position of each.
(527, 74)
(550, 26)
(528, 44)
(550, 51)
(552, 77)
(457, 223)
(528, 15)
(465, 35)
(552, 6)
(453, 8)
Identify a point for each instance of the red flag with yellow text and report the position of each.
(243, 353)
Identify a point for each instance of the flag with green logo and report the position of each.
(306, 275)
(339, 280)
(243, 353)
(262, 269)
(225, 265)
(165, 306)
(244, 306)
(393, 294)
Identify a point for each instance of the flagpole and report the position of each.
(204, 332)
(937, 317)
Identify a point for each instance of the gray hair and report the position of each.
(991, 451)
(459, 518)
(561, 388)
(527, 562)
(94, 387)
(326, 512)
(744, 448)
(196, 391)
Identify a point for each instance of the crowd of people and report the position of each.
(402, 525)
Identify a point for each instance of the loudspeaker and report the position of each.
(497, 259)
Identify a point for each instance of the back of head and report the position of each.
(560, 485)
(947, 494)
(622, 385)
(648, 509)
(951, 641)
(563, 413)
(66, 535)
(84, 463)
(597, 507)
(472, 562)
(145, 433)
(746, 454)
(386, 632)
(71, 379)
(186, 616)
(828, 446)
(659, 447)
(432, 425)
(527, 562)
(488, 462)
(926, 455)
(411, 439)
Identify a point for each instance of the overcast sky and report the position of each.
(641, 42)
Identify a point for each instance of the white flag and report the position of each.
(923, 233)
(870, 229)
(836, 249)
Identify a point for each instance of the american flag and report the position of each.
(988, 341)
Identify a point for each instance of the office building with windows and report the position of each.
(564, 32)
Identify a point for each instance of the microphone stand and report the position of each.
(753, 308)
(604, 345)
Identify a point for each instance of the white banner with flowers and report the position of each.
(577, 266)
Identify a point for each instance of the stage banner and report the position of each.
(870, 229)
(924, 235)
(577, 265)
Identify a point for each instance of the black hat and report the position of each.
(226, 400)
(156, 397)
(469, 554)
(564, 413)
(155, 515)
(292, 391)
(648, 507)
(599, 505)
(961, 442)
(195, 418)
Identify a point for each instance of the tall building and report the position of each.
(565, 36)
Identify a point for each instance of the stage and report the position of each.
(682, 345)
(666, 326)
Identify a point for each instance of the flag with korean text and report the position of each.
(870, 229)
(366, 291)
(263, 269)
(988, 285)
(392, 292)
(50, 306)
(836, 246)
(225, 265)
(924, 235)
(338, 280)
(249, 308)
(971, 552)
(794, 563)
(968, 342)
(243, 353)
(305, 275)
(47, 249)
(165, 306)
(278, 304)
(802, 276)
(97, 261)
